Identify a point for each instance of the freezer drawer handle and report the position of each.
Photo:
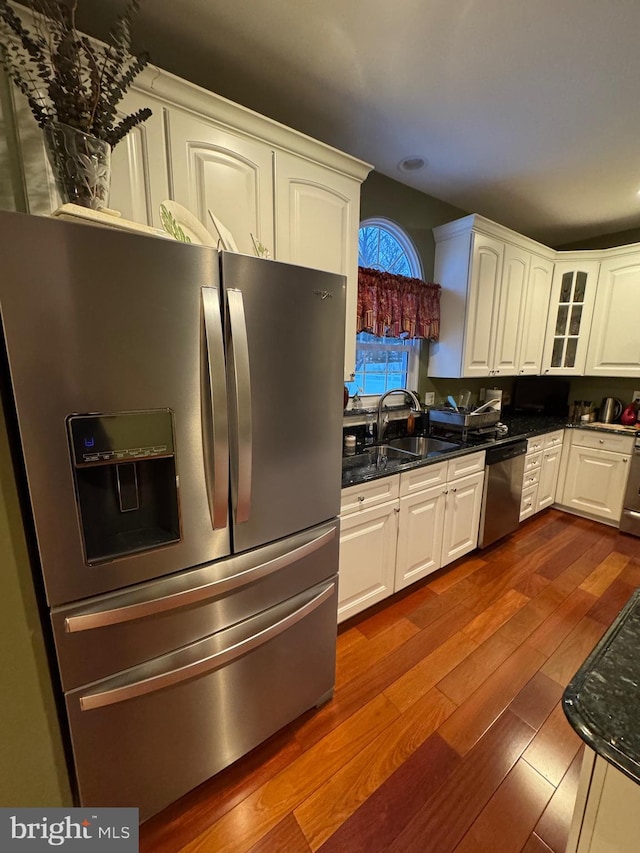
(193, 595)
(240, 382)
(215, 425)
(91, 701)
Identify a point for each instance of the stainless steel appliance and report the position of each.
(179, 421)
(630, 518)
(502, 491)
(610, 409)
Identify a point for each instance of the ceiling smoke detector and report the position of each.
(412, 164)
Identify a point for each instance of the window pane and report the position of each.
(556, 356)
(576, 317)
(375, 384)
(572, 346)
(396, 380)
(561, 322)
(581, 286)
(565, 290)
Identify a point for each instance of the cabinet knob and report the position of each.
(454, 490)
(360, 498)
(602, 441)
(624, 458)
(396, 509)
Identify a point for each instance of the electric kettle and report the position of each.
(610, 410)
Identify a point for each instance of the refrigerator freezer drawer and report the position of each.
(110, 633)
(148, 735)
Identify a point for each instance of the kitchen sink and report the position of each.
(422, 445)
(378, 458)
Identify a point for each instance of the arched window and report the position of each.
(385, 363)
(383, 245)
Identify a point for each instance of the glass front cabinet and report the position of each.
(573, 296)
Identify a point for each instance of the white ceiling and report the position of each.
(527, 111)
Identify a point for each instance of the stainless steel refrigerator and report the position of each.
(178, 419)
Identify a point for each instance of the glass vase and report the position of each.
(81, 165)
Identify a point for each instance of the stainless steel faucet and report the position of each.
(384, 420)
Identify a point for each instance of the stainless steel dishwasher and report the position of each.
(502, 491)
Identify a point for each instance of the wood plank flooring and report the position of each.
(445, 732)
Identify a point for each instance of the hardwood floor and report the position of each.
(445, 732)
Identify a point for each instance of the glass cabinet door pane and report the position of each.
(576, 317)
(570, 358)
(561, 322)
(565, 290)
(556, 356)
(581, 286)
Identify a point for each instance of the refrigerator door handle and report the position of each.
(241, 379)
(132, 609)
(204, 665)
(215, 419)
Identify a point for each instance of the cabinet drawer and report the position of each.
(528, 502)
(463, 465)
(553, 439)
(602, 440)
(536, 443)
(532, 460)
(422, 478)
(531, 478)
(364, 495)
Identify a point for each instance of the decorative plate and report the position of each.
(226, 237)
(191, 227)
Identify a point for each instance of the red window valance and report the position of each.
(397, 306)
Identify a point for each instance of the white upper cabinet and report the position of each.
(573, 297)
(482, 309)
(317, 221)
(139, 175)
(536, 306)
(495, 293)
(515, 273)
(226, 172)
(614, 345)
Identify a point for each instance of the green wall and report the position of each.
(415, 211)
(32, 764)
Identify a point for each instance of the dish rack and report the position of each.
(463, 421)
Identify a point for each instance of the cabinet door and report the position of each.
(482, 307)
(367, 558)
(570, 312)
(548, 479)
(420, 529)
(536, 308)
(317, 220)
(595, 483)
(226, 172)
(139, 179)
(462, 517)
(515, 275)
(614, 345)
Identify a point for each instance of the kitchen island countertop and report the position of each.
(601, 701)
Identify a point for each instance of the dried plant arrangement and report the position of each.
(67, 77)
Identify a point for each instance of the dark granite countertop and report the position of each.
(602, 700)
(356, 470)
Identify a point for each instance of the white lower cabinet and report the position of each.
(596, 474)
(461, 518)
(606, 817)
(367, 557)
(540, 477)
(420, 534)
(398, 529)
